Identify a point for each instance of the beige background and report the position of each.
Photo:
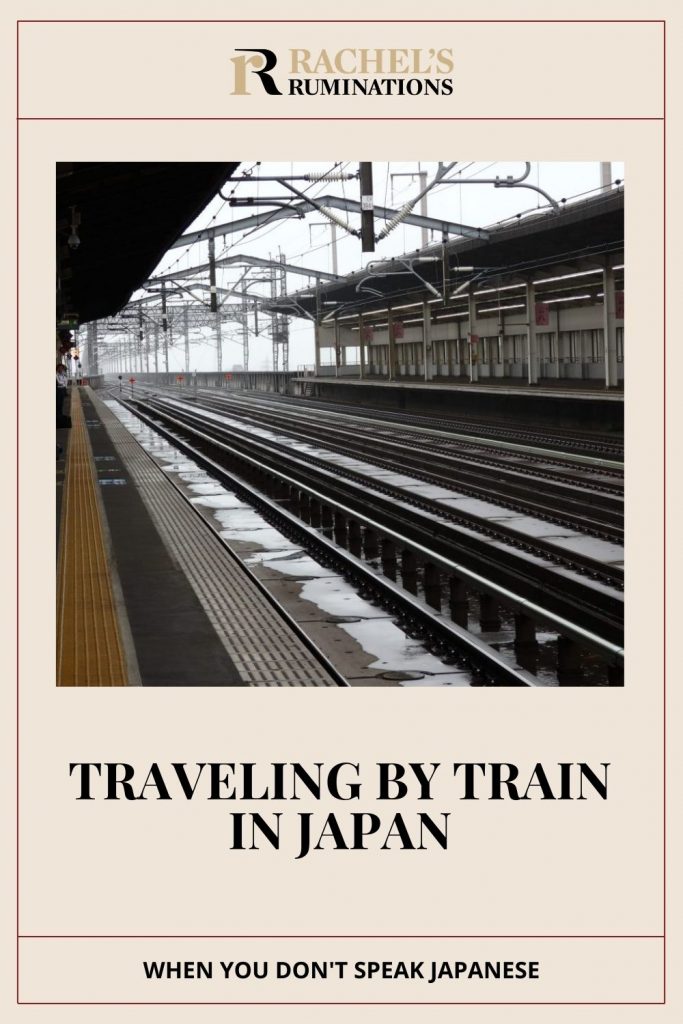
(579, 868)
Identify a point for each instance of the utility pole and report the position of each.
(284, 323)
(186, 332)
(141, 338)
(212, 274)
(93, 355)
(333, 226)
(219, 343)
(275, 324)
(164, 323)
(367, 203)
(245, 332)
(422, 175)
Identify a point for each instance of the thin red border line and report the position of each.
(214, 1002)
(662, 22)
(156, 117)
(664, 527)
(341, 21)
(17, 506)
(608, 938)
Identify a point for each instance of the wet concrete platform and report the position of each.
(563, 406)
(188, 614)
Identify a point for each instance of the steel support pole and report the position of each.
(219, 343)
(427, 340)
(531, 339)
(212, 275)
(609, 328)
(245, 334)
(367, 203)
(284, 323)
(361, 348)
(392, 345)
(337, 353)
(472, 353)
(316, 333)
(164, 324)
(186, 333)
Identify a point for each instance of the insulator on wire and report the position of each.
(329, 176)
(335, 219)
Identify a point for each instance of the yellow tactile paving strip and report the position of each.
(89, 649)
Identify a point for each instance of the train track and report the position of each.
(548, 490)
(571, 441)
(435, 554)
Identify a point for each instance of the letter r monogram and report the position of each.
(241, 65)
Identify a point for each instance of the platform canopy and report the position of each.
(580, 236)
(124, 216)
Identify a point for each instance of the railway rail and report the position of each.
(437, 558)
(546, 487)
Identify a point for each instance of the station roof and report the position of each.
(127, 215)
(581, 236)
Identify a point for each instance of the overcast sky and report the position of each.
(307, 242)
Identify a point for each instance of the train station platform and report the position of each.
(574, 405)
(147, 594)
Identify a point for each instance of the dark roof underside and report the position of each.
(129, 216)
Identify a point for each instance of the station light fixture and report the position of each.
(568, 298)
(566, 277)
(500, 309)
(503, 288)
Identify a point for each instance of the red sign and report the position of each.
(180, 377)
(619, 305)
(367, 333)
(542, 314)
(228, 376)
(131, 380)
(398, 329)
(474, 339)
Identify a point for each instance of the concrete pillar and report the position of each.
(432, 586)
(489, 615)
(361, 348)
(472, 351)
(186, 333)
(388, 554)
(427, 340)
(355, 537)
(370, 543)
(337, 352)
(457, 601)
(451, 344)
(340, 529)
(568, 661)
(392, 345)
(531, 340)
(316, 333)
(409, 570)
(609, 328)
(327, 520)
